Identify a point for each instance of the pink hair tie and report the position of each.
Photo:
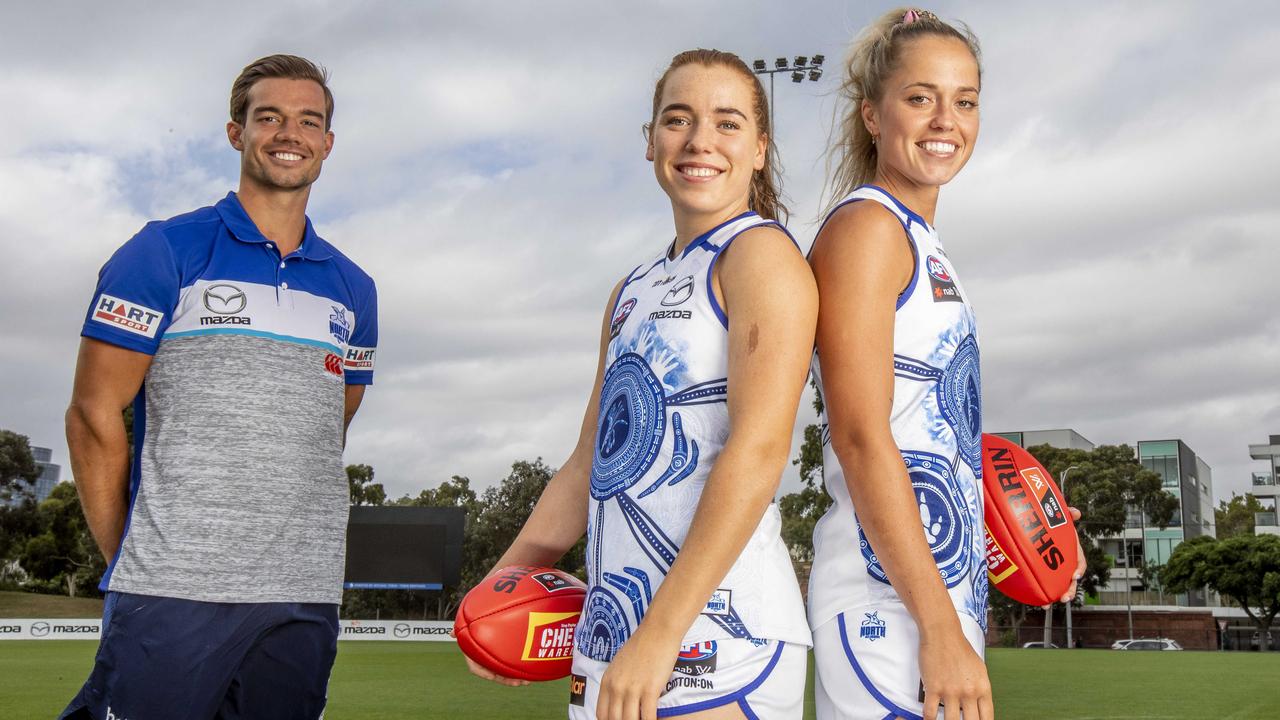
(909, 17)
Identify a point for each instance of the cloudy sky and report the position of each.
(1115, 228)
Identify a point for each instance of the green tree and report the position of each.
(61, 552)
(364, 491)
(1245, 569)
(454, 492)
(1236, 517)
(801, 510)
(18, 469)
(502, 510)
(494, 518)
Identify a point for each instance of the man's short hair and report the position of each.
(290, 67)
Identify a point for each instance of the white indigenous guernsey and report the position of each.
(662, 422)
(860, 626)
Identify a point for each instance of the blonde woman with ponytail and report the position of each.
(898, 590)
(692, 608)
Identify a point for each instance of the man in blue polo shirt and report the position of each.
(244, 342)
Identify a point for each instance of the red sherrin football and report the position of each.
(1031, 541)
(519, 622)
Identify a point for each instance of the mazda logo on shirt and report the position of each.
(682, 291)
(224, 299)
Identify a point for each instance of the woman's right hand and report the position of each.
(954, 678)
(481, 671)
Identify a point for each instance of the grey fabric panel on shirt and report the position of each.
(243, 496)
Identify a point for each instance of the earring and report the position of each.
(873, 139)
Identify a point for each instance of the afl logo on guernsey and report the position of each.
(947, 525)
(937, 270)
(624, 312)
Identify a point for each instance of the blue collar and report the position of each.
(704, 238)
(243, 229)
(912, 214)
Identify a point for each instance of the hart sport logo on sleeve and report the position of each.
(550, 636)
(125, 315)
(359, 358)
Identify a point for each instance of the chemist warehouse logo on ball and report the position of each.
(130, 317)
(550, 636)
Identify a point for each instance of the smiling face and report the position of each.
(926, 122)
(283, 142)
(704, 144)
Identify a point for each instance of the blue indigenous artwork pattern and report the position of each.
(630, 428)
(944, 515)
(603, 626)
(645, 381)
(959, 396)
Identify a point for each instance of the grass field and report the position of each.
(377, 680)
(32, 605)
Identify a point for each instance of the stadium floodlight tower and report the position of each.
(804, 66)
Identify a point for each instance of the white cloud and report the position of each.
(1114, 226)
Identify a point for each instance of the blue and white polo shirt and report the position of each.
(237, 490)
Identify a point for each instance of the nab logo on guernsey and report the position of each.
(112, 716)
(873, 628)
(550, 636)
(131, 317)
(944, 286)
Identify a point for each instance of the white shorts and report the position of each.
(764, 680)
(868, 665)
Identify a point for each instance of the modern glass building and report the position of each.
(1186, 477)
(1066, 439)
(1190, 480)
(49, 475)
(1265, 488)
